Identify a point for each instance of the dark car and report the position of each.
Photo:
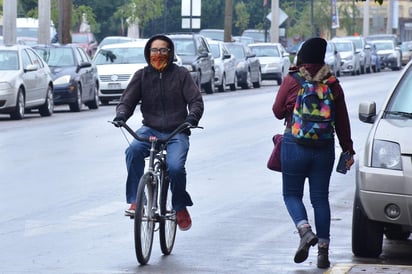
(197, 57)
(75, 78)
(247, 65)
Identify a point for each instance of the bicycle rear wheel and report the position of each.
(144, 220)
(167, 229)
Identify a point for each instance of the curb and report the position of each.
(368, 268)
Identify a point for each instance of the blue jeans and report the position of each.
(315, 163)
(177, 150)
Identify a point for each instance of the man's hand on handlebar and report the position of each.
(119, 121)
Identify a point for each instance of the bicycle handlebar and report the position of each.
(185, 125)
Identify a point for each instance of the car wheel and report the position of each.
(77, 105)
(222, 86)
(210, 86)
(48, 107)
(18, 112)
(367, 235)
(248, 82)
(258, 83)
(94, 104)
(234, 85)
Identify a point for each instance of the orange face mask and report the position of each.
(159, 61)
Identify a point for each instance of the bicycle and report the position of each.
(153, 199)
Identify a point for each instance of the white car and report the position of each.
(274, 60)
(225, 66)
(349, 57)
(25, 82)
(389, 54)
(333, 59)
(116, 65)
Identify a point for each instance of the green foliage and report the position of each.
(242, 17)
(77, 15)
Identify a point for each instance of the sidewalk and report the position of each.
(369, 268)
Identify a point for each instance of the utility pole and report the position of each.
(274, 25)
(65, 15)
(9, 21)
(228, 21)
(366, 19)
(44, 22)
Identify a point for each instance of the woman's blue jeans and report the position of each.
(315, 163)
(177, 150)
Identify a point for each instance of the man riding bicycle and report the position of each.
(168, 97)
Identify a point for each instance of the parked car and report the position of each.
(332, 58)
(406, 48)
(392, 37)
(225, 66)
(258, 35)
(213, 34)
(25, 82)
(243, 39)
(274, 60)
(350, 62)
(383, 194)
(86, 40)
(196, 56)
(364, 51)
(75, 78)
(116, 65)
(389, 53)
(376, 61)
(114, 40)
(248, 72)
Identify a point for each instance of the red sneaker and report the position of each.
(183, 219)
(130, 212)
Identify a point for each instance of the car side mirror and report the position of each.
(367, 112)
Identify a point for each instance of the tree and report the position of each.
(242, 17)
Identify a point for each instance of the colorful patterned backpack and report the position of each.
(313, 118)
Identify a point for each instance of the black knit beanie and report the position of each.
(312, 51)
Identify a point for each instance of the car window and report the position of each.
(237, 51)
(57, 57)
(9, 60)
(343, 46)
(133, 55)
(215, 50)
(402, 98)
(82, 55)
(184, 47)
(202, 47)
(261, 51)
(35, 59)
(80, 38)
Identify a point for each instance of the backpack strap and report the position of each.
(298, 77)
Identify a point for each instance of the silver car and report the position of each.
(274, 60)
(350, 59)
(225, 66)
(25, 82)
(383, 196)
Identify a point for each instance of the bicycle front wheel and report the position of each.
(144, 219)
(167, 227)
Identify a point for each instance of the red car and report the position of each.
(86, 40)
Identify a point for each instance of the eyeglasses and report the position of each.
(161, 50)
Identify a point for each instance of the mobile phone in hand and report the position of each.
(344, 157)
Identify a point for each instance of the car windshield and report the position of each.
(343, 46)
(57, 57)
(80, 38)
(400, 103)
(237, 51)
(265, 51)
(215, 50)
(27, 32)
(132, 55)
(9, 60)
(213, 34)
(384, 45)
(184, 47)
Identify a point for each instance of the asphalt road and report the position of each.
(62, 193)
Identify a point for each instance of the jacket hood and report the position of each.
(164, 38)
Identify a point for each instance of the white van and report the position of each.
(29, 27)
